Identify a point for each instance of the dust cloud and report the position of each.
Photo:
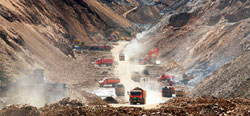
(124, 69)
(34, 90)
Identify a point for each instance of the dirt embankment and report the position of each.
(202, 106)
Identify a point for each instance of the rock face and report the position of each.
(201, 37)
(230, 80)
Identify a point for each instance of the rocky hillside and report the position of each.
(40, 33)
(230, 80)
(203, 36)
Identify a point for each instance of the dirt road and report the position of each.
(125, 14)
(124, 69)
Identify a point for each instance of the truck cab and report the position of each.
(109, 81)
(104, 61)
(137, 95)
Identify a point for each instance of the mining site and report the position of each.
(124, 58)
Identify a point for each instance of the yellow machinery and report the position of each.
(180, 93)
(173, 65)
(116, 36)
(185, 77)
(77, 44)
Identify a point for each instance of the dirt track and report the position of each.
(124, 70)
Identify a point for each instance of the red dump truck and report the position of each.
(168, 91)
(109, 81)
(120, 90)
(104, 61)
(137, 95)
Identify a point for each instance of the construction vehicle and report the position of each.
(185, 78)
(116, 36)
(109, 81)
(121, 57)
(148, 58)
(135, 76)
(119, 90)
(165, 78)
(104, 61)
(101, 47)
(168, 91)
(80, 45)
(137, 95)
(180, 92)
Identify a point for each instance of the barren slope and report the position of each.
(39, 34)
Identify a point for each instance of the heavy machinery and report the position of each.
(185, 78)
(116, 36)
(119, 90)
(121, 57)
(105, 61)
(180, 91)
(135, 76)
(137, 95)
(165, 78)
(168, 91)
(101, 47)
(80, 45)
(149, 57)
(109, 81)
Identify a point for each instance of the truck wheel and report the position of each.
(143, 101)
(113, 85)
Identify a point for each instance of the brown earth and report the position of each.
(203, 36)
(39, 34)
(202, 106)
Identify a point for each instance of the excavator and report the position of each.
(116, 36)
(78, 44)
(146, 59)
(185, 78)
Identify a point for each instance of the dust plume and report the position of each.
(35, 90)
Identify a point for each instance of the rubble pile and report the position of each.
(110, 100)
(179, 106)
(207, 106)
